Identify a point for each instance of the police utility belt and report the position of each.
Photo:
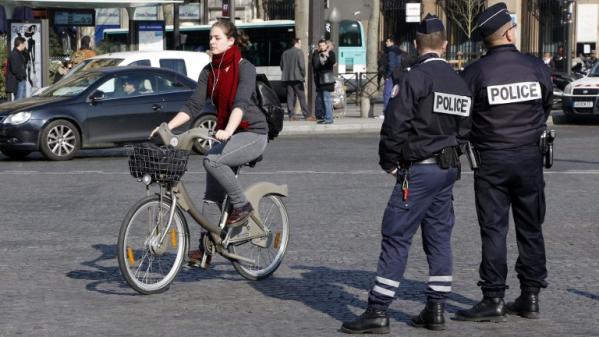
(545, 147)
(446, 158)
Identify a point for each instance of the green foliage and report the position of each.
(55, 45)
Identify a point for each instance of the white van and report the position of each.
(189, 63)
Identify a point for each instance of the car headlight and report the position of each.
(18, 118)
(568, 89)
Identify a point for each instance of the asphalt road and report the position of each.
(60, 220)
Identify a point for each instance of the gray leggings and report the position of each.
(241, 148)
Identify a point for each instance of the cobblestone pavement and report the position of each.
(59, 276)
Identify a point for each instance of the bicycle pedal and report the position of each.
(204, 264)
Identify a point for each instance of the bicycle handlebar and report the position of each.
(183, 141)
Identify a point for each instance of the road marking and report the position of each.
(307, 172)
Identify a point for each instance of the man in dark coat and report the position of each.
(293, 67)
(323, 61)
(16, 75)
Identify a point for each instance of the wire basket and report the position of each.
(164, 164)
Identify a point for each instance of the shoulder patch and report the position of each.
(452, 104)
(395, 90)
(514, 92)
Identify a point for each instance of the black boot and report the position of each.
(371, 321)
(527, 305)
(431, 317)
(490, 309)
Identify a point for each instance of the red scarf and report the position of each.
(222, 85)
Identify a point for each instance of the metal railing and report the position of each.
(357, 85)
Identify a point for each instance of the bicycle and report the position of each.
(154, 236)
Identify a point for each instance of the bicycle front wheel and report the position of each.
(268, 252)
(149, 256)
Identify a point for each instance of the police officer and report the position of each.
(429, 109)
(512, 99)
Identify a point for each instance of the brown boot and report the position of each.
(311, 119)
(196, 257)
(239, 215)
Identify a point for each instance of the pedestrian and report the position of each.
(293, 68)
(229, 81)
(393, 61)
(427, 117)
(323, 61)
(84, 52)
(559, 60)
(512, 101)
(549, 62)
(381, 66)
(16, 72)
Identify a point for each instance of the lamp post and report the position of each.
(569, 10)
(315, 33)
(335, 18)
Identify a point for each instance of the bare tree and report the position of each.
(259, 5)
(463, 13)
(372, 46)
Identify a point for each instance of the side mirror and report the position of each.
(96, 96)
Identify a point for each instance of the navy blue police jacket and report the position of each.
(428, 112)
(512, 95)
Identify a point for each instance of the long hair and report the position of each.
(230, 30)
(85, 41)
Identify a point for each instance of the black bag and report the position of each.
(326, 77)
(269, 103)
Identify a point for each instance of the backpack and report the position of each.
(269, 103)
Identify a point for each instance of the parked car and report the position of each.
(581, 97)
(91, 109)
(187, 63)
(560, 81)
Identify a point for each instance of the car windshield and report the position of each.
(595, 71)
(72, 86)
(93, 64)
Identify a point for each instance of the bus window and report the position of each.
(350, 34)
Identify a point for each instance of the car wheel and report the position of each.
(207, 121)
(60, 140)
(15, 154)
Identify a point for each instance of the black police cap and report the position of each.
(430, 24)
(492, 18)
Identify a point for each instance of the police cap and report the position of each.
(492, 18)
(430, 24)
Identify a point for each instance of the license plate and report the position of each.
(583, 104)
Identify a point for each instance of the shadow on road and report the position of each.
(325, 289)
(560, 119)
(584, 293)
(106, 277)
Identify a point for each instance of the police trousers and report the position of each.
(505, 178)
(428, 206)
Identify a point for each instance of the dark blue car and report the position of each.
(105, 107)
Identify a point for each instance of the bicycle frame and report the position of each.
(181, 198)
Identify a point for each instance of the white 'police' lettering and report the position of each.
(452, 104)
(514, 93)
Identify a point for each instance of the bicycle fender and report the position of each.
(256, 191)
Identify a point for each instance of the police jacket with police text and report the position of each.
(512, 95)
(428, 112)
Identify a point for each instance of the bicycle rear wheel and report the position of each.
(267, 252)
(148, 265)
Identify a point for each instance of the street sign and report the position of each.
(412, 12)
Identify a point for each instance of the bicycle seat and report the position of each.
(254, 162)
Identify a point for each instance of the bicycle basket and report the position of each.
(164, 164)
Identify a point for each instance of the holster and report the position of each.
(472, 156)
(546, 147)
(449, 157)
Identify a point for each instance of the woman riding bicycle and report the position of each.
(229, 81)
